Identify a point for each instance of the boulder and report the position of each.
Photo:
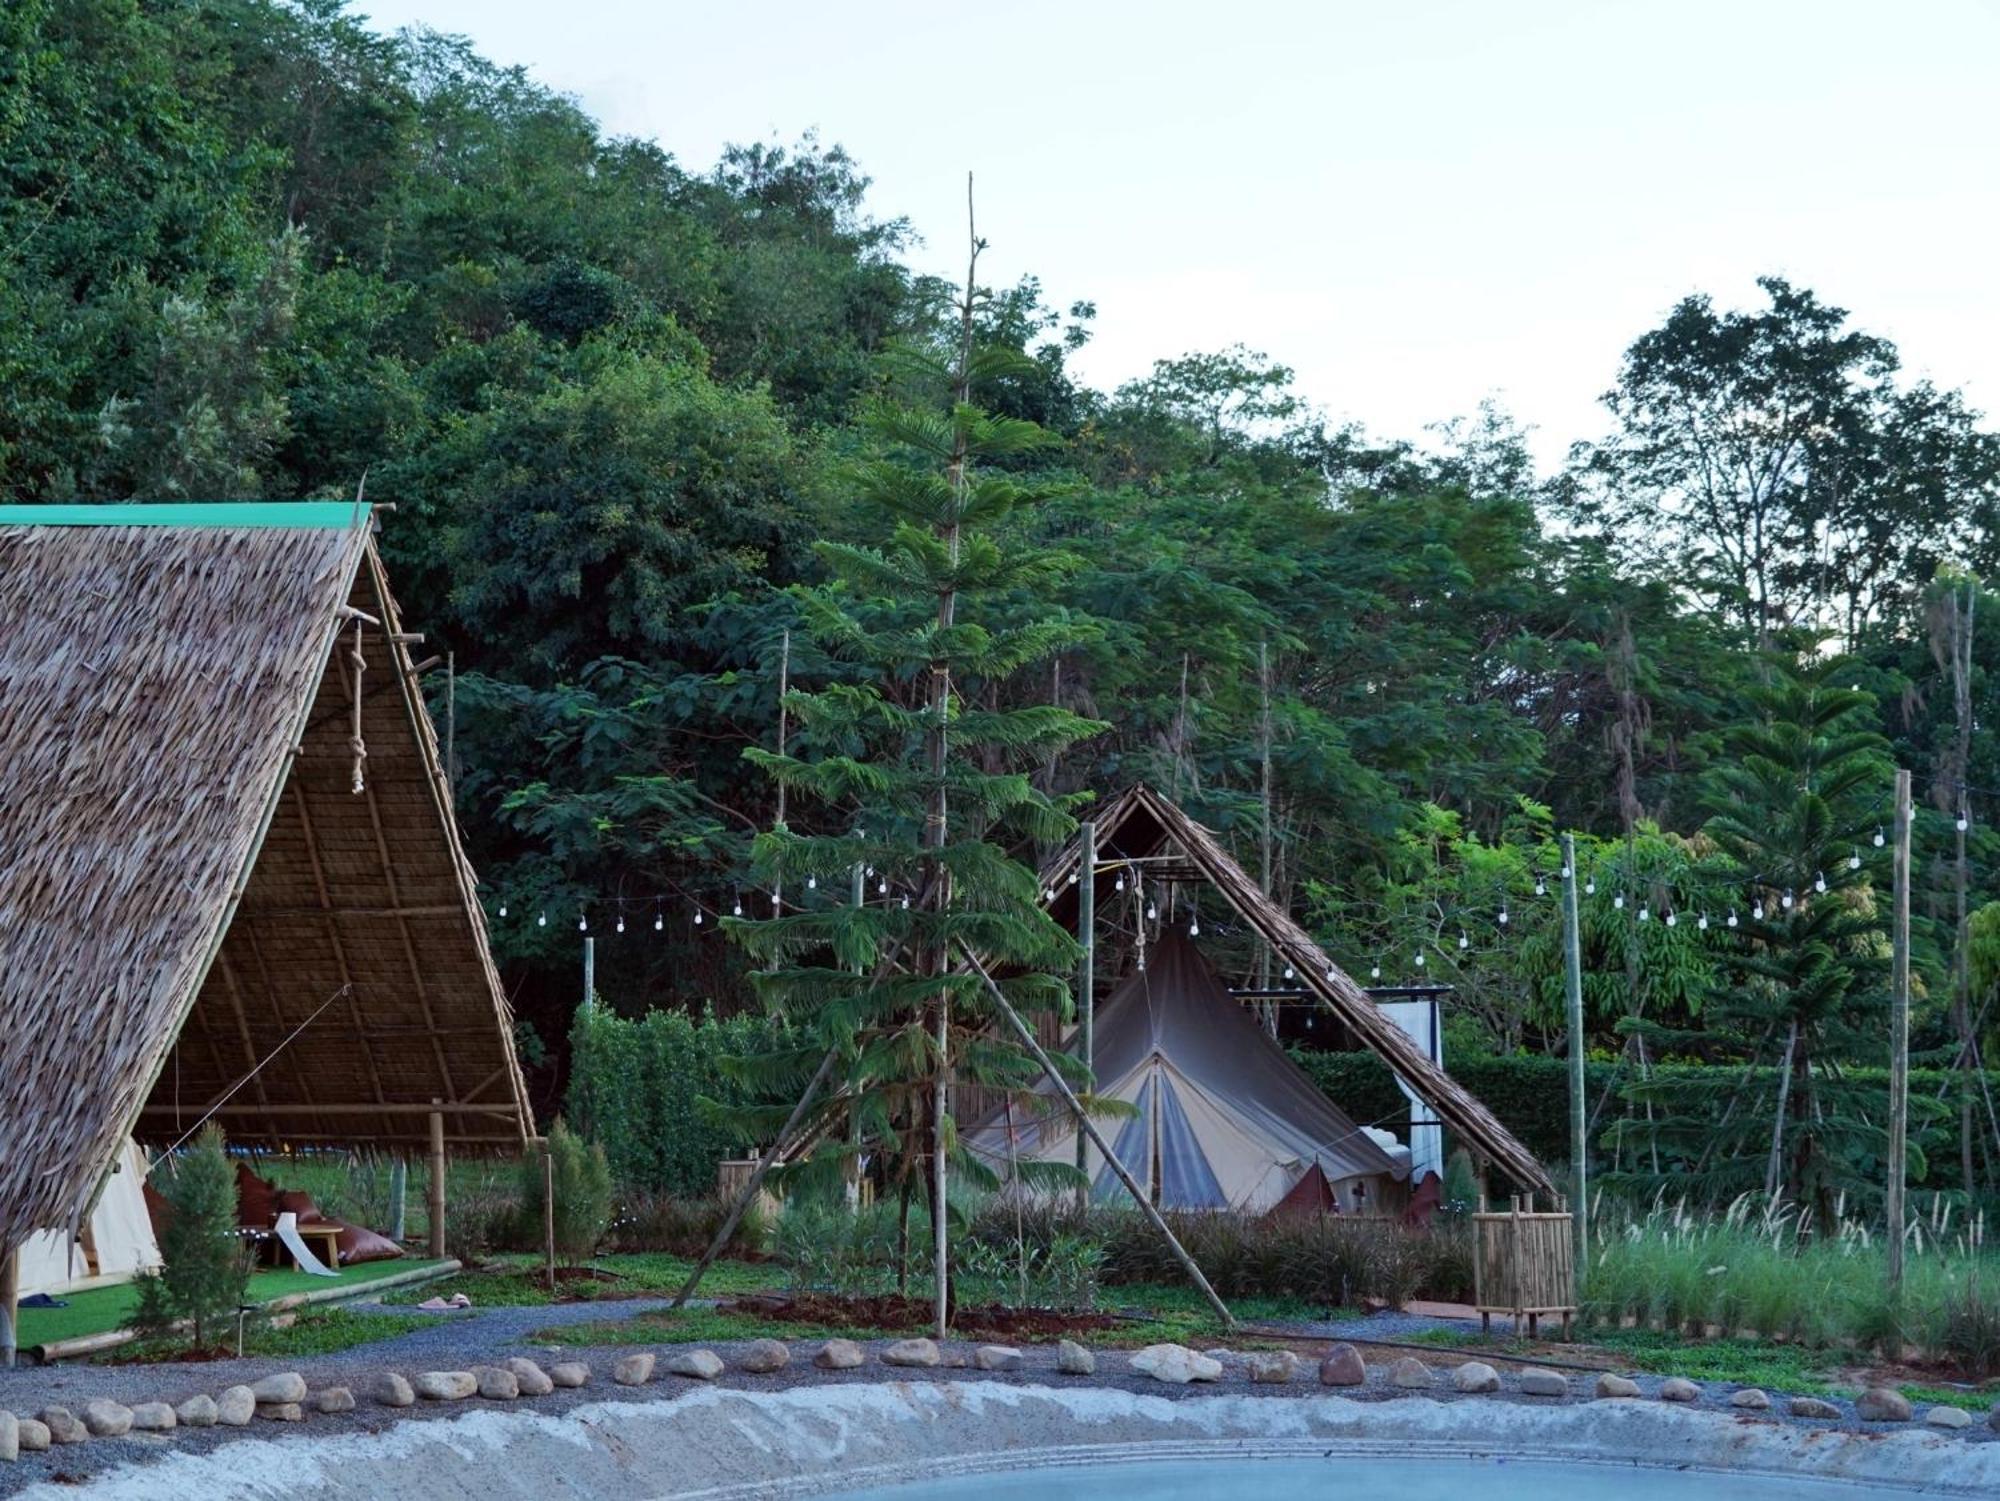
(1176, 1365)
(635, 1369)
(10, 1437)
(495, 1384)
(390, 1390)
(762, 1356)
(695, 1365)
(34, 1435)
(1476, 1376)
(1679, 1389)
(1882, 1404)
(285, 1386)
(445, 1386)
(571, 1373)
(1610, 1385)
(998, 1358)
(281, 1412)
(107, 1419)
(1272, 1367)
(64, 1426)
(912, 1352)
(334, 1399)
(1411, 1373)
(1813, 1407)
(1992, 1421)
(1948, 1417)
(531, 1378)
(235, 1407)
(1750, 1399)
(1073, 1359)
(152, 1417)
(197, 1412)
(839, 1355)
(1538, 1382)
(1342, 1367)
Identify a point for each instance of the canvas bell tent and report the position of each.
(1223, 1116)
(231, 884)
(114, 1243)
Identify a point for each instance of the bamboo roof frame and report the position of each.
(1139, 824)
(199, 912)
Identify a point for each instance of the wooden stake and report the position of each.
(549, 1209)
(756, 1180)
(1086, 979)
(399, 1188)
(1899, 1040)
(1579, 1134)
(1085, 1124)
(437, 1184)
(10, 1306)
(1270, 1007)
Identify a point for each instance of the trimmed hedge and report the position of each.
(1530, 1095)
(633, 1086)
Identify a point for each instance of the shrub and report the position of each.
(682, 1226)
(206, 1264)
(582, 1180)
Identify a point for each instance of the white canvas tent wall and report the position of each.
(1224, 1118)
(116, 1241)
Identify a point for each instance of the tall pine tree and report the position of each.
(916, 776)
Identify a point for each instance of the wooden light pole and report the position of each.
(437, 1183)
(1579, 1135)
(1899, 1039)
(1086, 978)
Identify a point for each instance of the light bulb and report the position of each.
(1644, 914)
(582, 923)
(1673, 919)
(542, 920)
(1618, 901)
(1048, 893)
(1854, 860)
(1567, 873)
(1541, 887)
(1464, 942)
(1375, 973)
(1072, 878)
(812, 883)
(1329, 971)
(1121, 884)
(503, 909)
(869, 871)
(881, 888)
(1503, 917)
(1152, 911)
(1819, 882)
(1964, 823)
(699, 918)
(777, 902)
(659, 922)
(621, 922)
(1194, 927)
(1288, 971)
(1732, 917)
(1758, 910)
(1880, 837)
(906, 903)
(1787, 898)
(1420, 958)
(1701, 923)
(1590, 886)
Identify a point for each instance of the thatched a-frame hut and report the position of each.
(1141, 830)
(230, 877)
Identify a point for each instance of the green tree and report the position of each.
(205, 1264)
(582, 1179)
(923, 785)
(1795, 803)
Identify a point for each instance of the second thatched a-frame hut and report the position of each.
(231, 883)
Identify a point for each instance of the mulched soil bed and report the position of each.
(995, 1321)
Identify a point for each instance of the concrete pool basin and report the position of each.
(731, 1445)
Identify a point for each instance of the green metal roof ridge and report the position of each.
(329, 515)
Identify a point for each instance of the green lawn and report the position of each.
(516, 1281)
(315, 1331)
(100, 1309)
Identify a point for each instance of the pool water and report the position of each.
(1367, 1479)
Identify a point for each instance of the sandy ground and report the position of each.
(490, 1335)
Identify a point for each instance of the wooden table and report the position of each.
(322, 1240)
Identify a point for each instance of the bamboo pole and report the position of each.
(1899, 1040)
(399, 1188)
(1264, 884)
(10, 1307)
(1139, 1197)
(1086, 978)
(1579, 1134)
(748, 1193)
(437, 1182)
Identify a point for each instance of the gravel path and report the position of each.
(485, 1336)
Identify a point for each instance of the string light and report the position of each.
(1048, 893)
(1786, 899)
(1541, 887)
(1819, 883)
(1194, 927)
(1758, 910)
(621, 922)
(882, 887)
(1590, 886)
(1644, 914)
(660, 921)
(1567, 872)
(812, 883)
(1732, 917)
(503, 909)
(542, 920)
(1880, 837)
(1288, 971)
(1072, 878)
(1964, 823)
(737, 910)
(1854, 860)
(1672, 919)
(1701, 922)
(582, 923)
(1420, 958)
(906, 901)
(1374, 973)
(1464, 943)
(699, 917)
(1618, 901)
(1152, 912)
(1121, 881)
(1503, 917)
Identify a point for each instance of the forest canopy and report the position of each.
(255, 249)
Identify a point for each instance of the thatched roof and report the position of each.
(1139, 824)
(191, 889)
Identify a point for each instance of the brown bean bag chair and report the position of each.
(158, 1210)
(256, 1200)
(357, 1243)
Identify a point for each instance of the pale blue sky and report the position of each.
(1415, 205)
